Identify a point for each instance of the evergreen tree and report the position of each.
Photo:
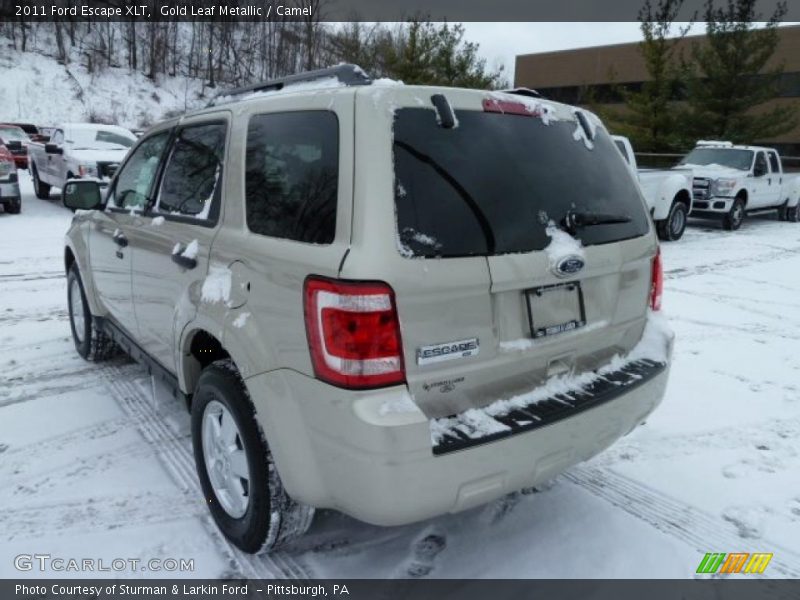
(651, 119)
(734, 76)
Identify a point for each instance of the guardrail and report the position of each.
(663, 160)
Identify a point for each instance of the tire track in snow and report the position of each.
(666, 447)
(29, 386)
(727, 265)
(114, 512)
(691, 525)
(178, 459)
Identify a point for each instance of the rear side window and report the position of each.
(774, 162)
(622, 150)
(492, 185)
(291, 175)
(194, 171)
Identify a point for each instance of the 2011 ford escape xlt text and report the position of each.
(393, 301)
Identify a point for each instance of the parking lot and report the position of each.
(94, 467)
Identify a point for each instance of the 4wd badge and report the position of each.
(447, 351)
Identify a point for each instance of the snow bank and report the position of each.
(480, 422)
(72, 94)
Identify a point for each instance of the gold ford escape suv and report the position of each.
(392, 301)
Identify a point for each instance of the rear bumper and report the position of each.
(352, 452)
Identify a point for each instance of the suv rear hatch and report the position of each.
(493, 295)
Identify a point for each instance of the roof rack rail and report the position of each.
(347, 74)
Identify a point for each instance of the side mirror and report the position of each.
(14, 145)
(53, 149)
(81, 194)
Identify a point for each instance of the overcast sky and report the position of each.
(501, 42)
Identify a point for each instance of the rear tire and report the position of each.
(90, 342)
(254, 512)
(671, 229)
(793, 213)
(42, 189)
(14, 207)
(735, 217)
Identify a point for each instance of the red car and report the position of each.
(9, 188)
(16, 140)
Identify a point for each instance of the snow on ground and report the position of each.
(37, 89)
(94, 468)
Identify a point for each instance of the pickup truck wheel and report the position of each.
(793, 213)
(234, 463)
(42, 189)
(671, 229)
(733, 220)
(13, 208)
(90, 342)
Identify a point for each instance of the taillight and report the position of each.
(656, 282)
(509, 107)
(353, 333)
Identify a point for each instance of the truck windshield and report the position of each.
(493, 184)
(13, 134)
(724, 157)
(89, 138)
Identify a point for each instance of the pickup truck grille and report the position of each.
(701, 188)
(560, 406)
(107, 169)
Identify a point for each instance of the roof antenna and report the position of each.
(447, 117)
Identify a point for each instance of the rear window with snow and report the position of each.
(291, 175)
(492, 184)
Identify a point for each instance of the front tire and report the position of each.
(234, 463)
(671, 229)
(735, 217)
(42, 189)
(90, 342)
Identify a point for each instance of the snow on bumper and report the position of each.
(9, 190)
(369, 454)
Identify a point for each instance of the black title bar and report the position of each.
(351, 10)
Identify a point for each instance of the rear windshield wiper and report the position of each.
(576, 220)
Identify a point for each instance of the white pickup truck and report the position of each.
(668, 193)
(77, 150)
(731, 181)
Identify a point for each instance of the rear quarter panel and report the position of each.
(263, 326)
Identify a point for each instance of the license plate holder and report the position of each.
(554, 309)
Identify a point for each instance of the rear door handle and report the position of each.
(120, 240)
(186, 262)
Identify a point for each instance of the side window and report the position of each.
(760, 167)
(193, 172)
(774, 162)
(624, 151)
(291, 175)
(58, 137)
(133, 187)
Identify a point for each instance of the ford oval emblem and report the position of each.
(568, 265)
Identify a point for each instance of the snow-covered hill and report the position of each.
(35, 88)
